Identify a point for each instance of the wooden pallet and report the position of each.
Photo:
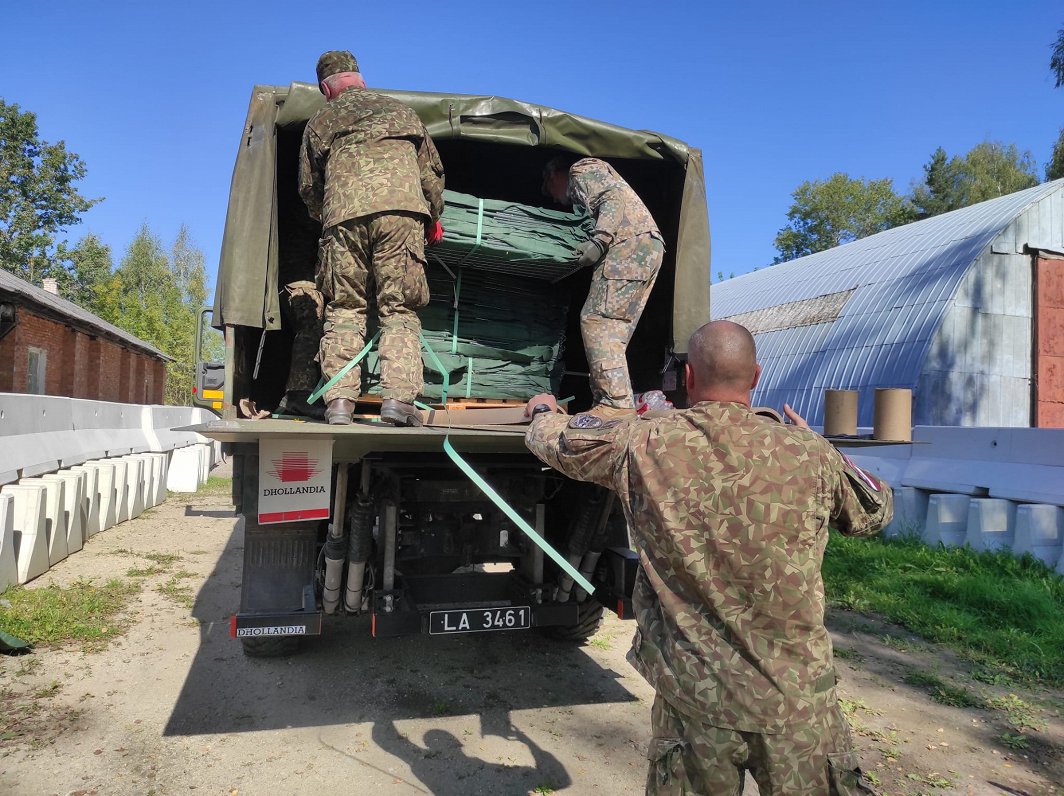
(455, 404)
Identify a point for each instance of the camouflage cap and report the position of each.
(334, 62)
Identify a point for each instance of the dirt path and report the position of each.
(173, 707)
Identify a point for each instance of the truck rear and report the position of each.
(452, 527)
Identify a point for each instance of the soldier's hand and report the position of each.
(794, 417)
(589, 253)
(433, 233)
(537, 401)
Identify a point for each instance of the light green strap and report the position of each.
(343, 371)
(457, 294)
(469, 377)
(518, 520)
(439, 367)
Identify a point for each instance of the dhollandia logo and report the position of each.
(293, 467)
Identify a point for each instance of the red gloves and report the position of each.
(433, 234)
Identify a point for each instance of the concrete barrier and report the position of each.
(947, 520)
(1040, 532)
(30, 530)
(106, 497)
(90, 506)
(73, 498)
(910, 512)
(135, 467)
(121, 489)
(54, 517)
(186, 469)
(8, 559)
(991, 524)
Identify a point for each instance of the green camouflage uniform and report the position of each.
(729, 512)
(622, 281)
(370, 173)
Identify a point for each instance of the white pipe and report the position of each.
(587, 569)
(356, 574)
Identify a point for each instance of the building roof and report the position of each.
(57, 305)
(863, 315)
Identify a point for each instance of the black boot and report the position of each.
(340, 412)
(295, 403)
(399, 413)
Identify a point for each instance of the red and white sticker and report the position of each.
(294, 480)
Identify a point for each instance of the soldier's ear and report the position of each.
(757, 376)
(326, 90)
(688, 377)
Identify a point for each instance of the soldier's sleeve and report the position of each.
(431, 168)
(862, 503)
(583, 447)
(595, 189)
(311, 176)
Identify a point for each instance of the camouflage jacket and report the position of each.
(729, 512)
(618, 211)
(367, 153)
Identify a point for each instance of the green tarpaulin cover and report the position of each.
(495, 321)
(511, 238)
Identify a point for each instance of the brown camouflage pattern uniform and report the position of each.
(370, 173)
(730, 512)
(622, 280)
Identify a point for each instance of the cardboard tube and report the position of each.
(840, 413)
(892, 418)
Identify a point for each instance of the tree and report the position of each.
(38, 197)
(1055, 167)
(86, 268)
(157, 297)
(836, 211)
(989, 170)
(1056, 62)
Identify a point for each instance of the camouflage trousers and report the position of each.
(303, 312)
(812, 759)
(620, 287)
(390, 247)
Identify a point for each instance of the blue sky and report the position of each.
(153, 96)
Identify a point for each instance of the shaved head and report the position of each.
(723, 361)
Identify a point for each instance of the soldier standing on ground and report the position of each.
(626, 250)
(369, 172)
(730, 513)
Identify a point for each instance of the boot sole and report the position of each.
(401, 419)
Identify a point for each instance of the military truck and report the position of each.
(398, 522)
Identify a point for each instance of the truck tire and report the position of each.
(590, 621)
(279, 647)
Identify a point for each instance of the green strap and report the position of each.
(439, 367)
(469, 377)
(517, 519)
(457, 294)
(343, 371)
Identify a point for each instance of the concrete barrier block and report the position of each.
(185, 468)
(910, 512)
(90, 500)
(106, 510)
(1040, 532)
(135, 467)
(153, 473)
(991, 524)
(54, 517)
(8, 559)
(73, 497)
(947, 520)
(121, 488)
(205, 463)
(164, 459)
(30, 529)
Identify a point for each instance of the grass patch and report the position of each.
(83, 612)
(177, 591)
(216, 486)
(144, 572)
(1003, 612)
(1021, 715)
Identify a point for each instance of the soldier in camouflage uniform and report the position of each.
(626, 250)
(369, 172)
(730, 513)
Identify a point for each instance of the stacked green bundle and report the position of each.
(511, 238)
(502, 338)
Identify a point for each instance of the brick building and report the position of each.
(50, 346)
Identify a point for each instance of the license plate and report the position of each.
(478, 620)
